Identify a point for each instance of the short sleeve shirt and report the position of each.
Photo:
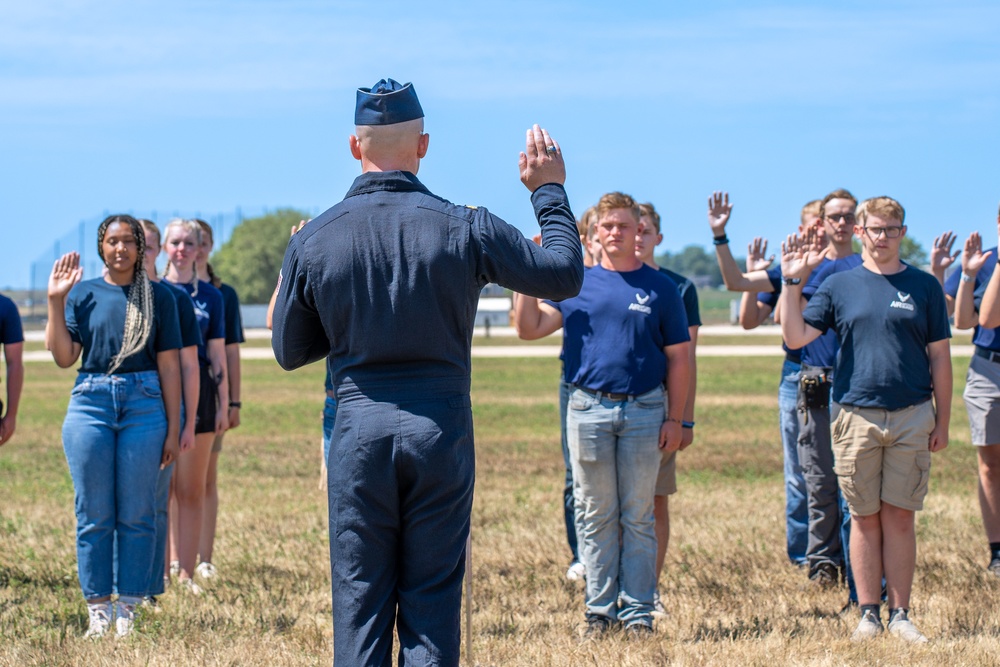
(234, 321)
(95, 318)
(689, 295)
(190, 330)
(883, 324)
(210, 312)
(10, 322)
(616, 329)
(823, 350)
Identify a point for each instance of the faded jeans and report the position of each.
(113, 439)
(616, 458)
(796, 506)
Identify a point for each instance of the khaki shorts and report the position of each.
(666, 481)
(882, 456)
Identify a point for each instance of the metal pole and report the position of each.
(468, 599)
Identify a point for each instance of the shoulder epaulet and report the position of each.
(471, 207)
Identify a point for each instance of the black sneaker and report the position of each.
(994, 566)
(597, 626)
(825, 575)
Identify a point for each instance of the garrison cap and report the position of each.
(386, 103)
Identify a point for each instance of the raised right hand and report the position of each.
(719, 209)
(66, 272)
(757, 259)
(537, 163)
(973, 256)
(941, 255)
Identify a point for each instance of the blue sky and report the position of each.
(209, 106)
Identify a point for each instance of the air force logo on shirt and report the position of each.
(640, 304)
(903, 303)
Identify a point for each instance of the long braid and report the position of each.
(140, 306)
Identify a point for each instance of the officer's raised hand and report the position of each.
(542, 160)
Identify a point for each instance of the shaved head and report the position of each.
(396, 146)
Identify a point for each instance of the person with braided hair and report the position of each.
(181, 239)
(122, 423)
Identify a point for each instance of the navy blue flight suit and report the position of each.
(386, 283)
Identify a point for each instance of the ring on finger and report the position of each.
(550, 149)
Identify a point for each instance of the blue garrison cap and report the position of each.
(387, 103)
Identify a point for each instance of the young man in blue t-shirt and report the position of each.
(968, 288)
(12, 339)
(622, 332)
(891, 323)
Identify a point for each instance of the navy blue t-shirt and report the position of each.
(95, 318)
(209, 310)
(823, 350)
(615, 330)
(689, 295)
(985, 338)
(190, 330)
(10, 322)
(771, 299)
(234, 321)
(883, 325)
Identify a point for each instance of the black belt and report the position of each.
(794, 358)
(989, 355)
(606, 394)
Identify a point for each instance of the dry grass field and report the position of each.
(731, 595)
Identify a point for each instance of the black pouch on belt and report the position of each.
(814, 389)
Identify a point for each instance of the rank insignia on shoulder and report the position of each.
(471, 206)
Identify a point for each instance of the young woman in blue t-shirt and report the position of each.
(181, 239)
(122, 423)
(234, 336)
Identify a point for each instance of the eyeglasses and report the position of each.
(837, 217)
(890, 232)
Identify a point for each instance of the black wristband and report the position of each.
(235, 404)
(720, 240)
(686, 424)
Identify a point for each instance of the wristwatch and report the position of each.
(792, 281)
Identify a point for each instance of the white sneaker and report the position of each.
(124, 618)
(659, 611)
(175, 568)
(205, 571)
(901, 626)
(188, 586)
(100, 620)
(577, 571)
(869, 627)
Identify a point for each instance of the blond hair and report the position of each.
(886, 208)
(615, 200)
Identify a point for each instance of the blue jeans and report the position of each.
(616, 458)
(796, 505)
(113, 439)
(329, 416)
(401, 474)
(569, 509)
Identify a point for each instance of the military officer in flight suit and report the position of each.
(386, 285)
